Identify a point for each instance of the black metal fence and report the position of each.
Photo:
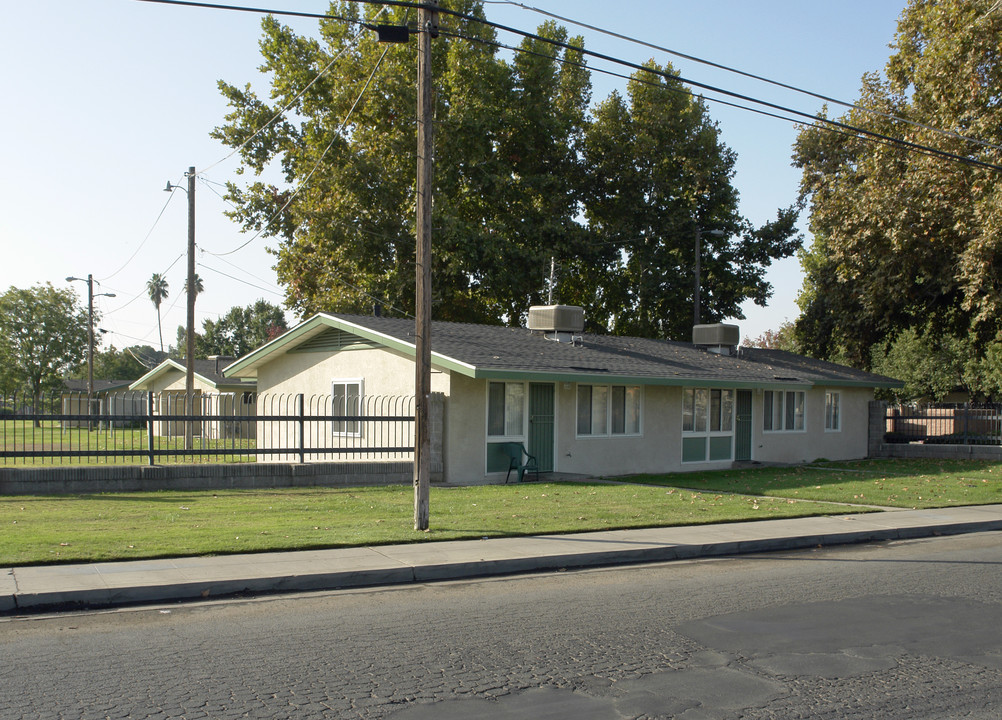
(944, 424)
(146, 427)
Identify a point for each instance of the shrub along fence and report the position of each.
(157, 428)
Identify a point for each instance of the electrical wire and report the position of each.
(760, 78)
(243, 270)
(142, 292)
(876, 139)
(140, 247)
(239, 280)
(285, 109)
(316, 167)
(608, 58)
(208, 184)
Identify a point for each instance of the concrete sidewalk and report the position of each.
(155, 581)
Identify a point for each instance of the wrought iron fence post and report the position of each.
(149, 426)
(301, 410)
(967, 415)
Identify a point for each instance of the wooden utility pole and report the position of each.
(189, 351)
(427, 28)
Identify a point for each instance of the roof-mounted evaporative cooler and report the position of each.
(720, 338)
(557, 322)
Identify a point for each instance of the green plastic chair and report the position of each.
(519, 459)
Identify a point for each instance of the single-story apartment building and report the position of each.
(111, 397)
(215, 396)
(583, 403)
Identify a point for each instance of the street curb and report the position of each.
(13, 601)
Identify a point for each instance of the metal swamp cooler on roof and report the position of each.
(720, 338)
(557, 322)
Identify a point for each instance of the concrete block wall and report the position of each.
(132, 478)
(877, 421)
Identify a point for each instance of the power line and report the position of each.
(298, 95)
(695, 83)
(142, 292)
(132, 257)
(752, 76)
(239, 280)
(873, 138)
(316, 167)
(608, 58)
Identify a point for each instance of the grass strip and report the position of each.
(903, 483)
(129, 526)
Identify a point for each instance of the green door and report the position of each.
(743, 425)
(541, 414)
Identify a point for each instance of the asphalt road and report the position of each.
(899, 630)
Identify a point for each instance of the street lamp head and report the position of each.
(71, 279)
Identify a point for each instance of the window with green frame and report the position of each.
(707, 424)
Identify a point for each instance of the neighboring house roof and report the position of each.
(489, 351)
(100, 386)
(208, 372)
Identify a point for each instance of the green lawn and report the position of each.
(124, 526)
(888, 482)
(113, 526)
(51, 436)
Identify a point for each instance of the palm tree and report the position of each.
(198, 285)
(157, 288)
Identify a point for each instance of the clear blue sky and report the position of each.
(107, 100)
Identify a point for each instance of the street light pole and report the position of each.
(189, 351)
(696, 265)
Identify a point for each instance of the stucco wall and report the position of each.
(465, 430)
(850, 443)
(388, 383)
(385, 372)
(174, 380)
(658, 449)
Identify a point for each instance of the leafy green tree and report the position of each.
(113, 364)
(904, 240)
(158, 290)
(506, 167)
(660, 175)
(783, 338)
(930, 365)
(241, 330)
(519, 163)
(236, 333)
(43, 333)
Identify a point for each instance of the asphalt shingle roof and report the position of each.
(519, 350)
